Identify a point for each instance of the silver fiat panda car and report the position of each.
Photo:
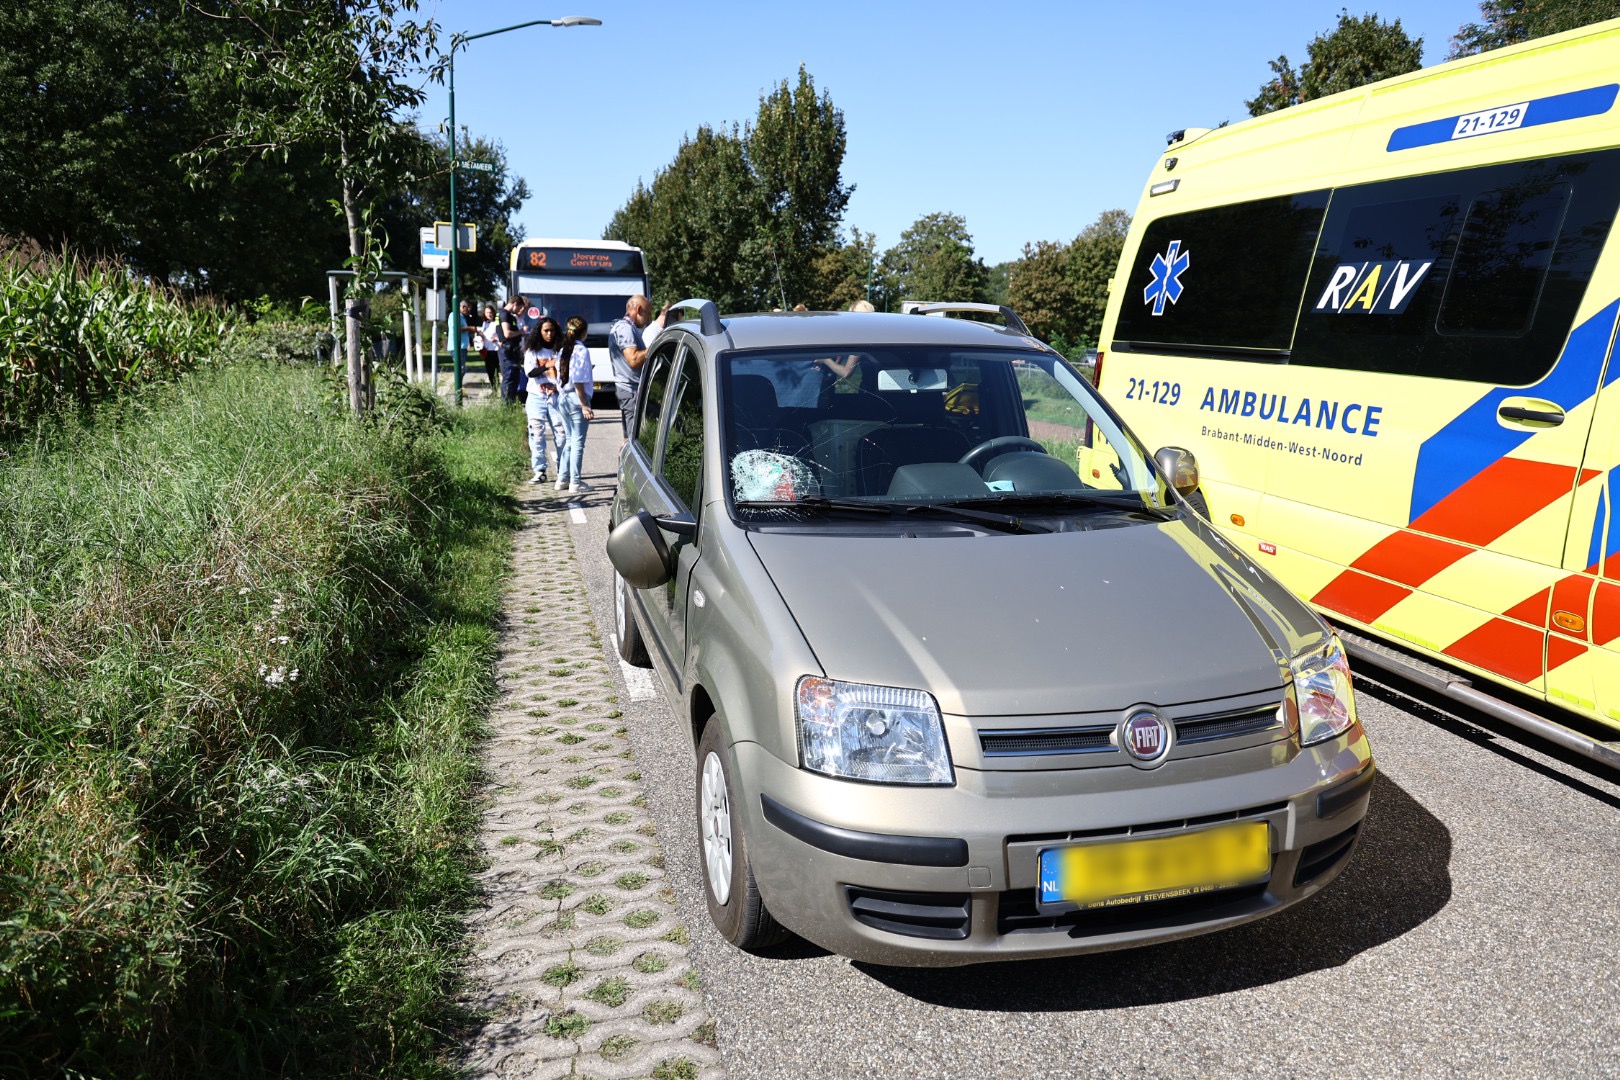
(967, 677)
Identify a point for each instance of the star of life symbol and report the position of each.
(1167, 270)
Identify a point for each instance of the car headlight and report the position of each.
(1323, 697)
(882, 734)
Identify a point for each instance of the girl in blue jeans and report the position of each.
(574, 377)
(540, 354)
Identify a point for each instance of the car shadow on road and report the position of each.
(1398, 879)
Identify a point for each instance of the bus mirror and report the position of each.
(1179, 467)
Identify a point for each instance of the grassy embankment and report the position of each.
(246, 642)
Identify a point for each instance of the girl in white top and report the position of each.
(575, 375)
(540, 353)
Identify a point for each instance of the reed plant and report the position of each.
(75, 330)
(246, 643)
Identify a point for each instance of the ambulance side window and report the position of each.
(1228, 277)
(1474, 274)
(1502, 261)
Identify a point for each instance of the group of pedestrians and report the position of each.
(558, 398)
(546, 367)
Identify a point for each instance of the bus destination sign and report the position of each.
(556, 260)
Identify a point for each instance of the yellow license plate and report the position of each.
(1134, 871)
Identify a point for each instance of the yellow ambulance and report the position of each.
(1384, 324)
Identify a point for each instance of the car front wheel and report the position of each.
(632, 649)
(728, 880)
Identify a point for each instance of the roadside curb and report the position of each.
(580, 964)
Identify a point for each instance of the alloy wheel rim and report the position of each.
(716, 825)
(618, 605)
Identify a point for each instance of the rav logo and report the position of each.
(1373, 288)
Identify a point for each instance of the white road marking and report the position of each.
(638, 681)
(576, 515)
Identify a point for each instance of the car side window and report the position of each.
(652, 400)
(681, 465)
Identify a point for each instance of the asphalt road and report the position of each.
(1470, 936)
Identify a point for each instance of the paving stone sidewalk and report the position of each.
(580, 962)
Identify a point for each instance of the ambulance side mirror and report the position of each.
(1179, 467)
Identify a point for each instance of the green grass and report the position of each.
(246, 645)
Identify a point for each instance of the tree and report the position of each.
(699, 212)
(934, 261)
(1061, 290)
(844, 274)
(333, 75)
(746, 217)
(487, 200)
(1093, 261)
(1040, 288)
(96, 122)
(796, 152)
(1356, 52)
(1508, 22)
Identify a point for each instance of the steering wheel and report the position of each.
(979, 455)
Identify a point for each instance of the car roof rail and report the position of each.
(1014, 323)
(708, 315)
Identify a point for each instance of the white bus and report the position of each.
(588, 278)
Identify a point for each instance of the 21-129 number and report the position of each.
(1160, 393)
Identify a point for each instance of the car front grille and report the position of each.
(940, 916)
(1077, 740)
(1324, 855)
(1175, 825)
(1095, 738)
(1230, 725)
(1019, 915)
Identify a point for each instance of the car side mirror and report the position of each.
(1179, 467)
(637, 550)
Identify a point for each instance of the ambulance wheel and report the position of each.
(1195, 499)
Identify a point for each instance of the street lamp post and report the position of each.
(456, 42)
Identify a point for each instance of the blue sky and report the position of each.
(1028, 119)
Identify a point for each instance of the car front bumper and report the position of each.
(938, 877)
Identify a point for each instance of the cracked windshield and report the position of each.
(908, 426)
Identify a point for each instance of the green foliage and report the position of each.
(488, 200)
(796, 154)
(700, 211)
(336, 78)
(934, 261)
(99, 104)
(746, 217)
(1508, 22)
(1061, 290)
(245, 645)
(843, 274)
(74, 331)
(1356, 52)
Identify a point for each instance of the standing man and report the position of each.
(628, 351)
(511, 340)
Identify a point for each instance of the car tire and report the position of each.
(735, 905)
(1195, 499)
(632, 649)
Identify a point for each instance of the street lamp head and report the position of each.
(576, 20)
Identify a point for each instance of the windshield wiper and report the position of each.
(1005, 522)
(1114, 500)
(817, 502)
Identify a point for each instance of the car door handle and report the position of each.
(1530, 412)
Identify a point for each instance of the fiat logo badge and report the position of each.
(1145, 736)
